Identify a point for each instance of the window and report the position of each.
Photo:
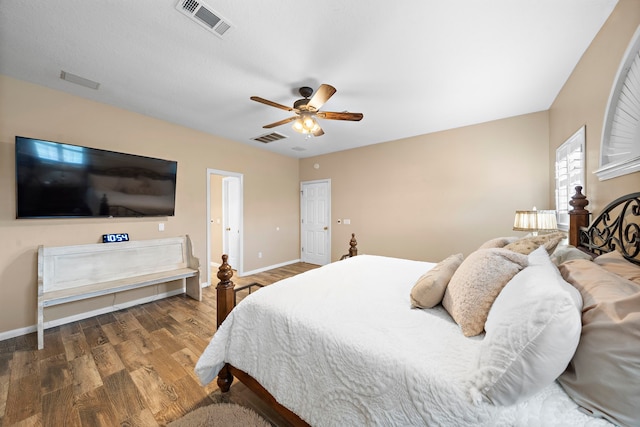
(60, 153)
(620, 150)
(569, 173)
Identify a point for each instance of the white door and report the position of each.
(231, 219)
(315, 213)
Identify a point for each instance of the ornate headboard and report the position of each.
(617, 228)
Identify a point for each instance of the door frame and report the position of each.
(317, 181)
(240, 267)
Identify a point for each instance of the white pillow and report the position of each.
(567, 252)
(532, 332)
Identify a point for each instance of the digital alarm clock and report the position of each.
(115, 237)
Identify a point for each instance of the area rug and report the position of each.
(221, 415)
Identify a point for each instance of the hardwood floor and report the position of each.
(132, 367)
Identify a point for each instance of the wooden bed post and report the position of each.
(353, 250)
(224, 305)
(578, 216)
(224, 291)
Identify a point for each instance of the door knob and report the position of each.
(228, 228)
(326, 228)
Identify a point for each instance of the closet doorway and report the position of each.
(224, 220)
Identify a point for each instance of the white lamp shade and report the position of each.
(547, 220)
(543, 220)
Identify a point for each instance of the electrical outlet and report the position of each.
(259, 254)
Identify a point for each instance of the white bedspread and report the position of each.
(340, 346)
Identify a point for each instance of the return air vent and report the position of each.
(269, 137)
(72, 78)
(205, 16)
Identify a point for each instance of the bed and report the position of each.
(520, 332)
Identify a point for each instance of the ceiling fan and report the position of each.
(308, 109)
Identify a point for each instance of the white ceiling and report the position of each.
(411, 66)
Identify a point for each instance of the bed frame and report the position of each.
(616, 228)
(225, 297)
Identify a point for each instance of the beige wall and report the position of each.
(433, 195)
(460, 187)
(270, 192)
(583, 101)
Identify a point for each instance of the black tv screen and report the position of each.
(63, 180)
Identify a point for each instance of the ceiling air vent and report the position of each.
(79, 80)
(205, 16)
(269, 137)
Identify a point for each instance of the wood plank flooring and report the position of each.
(131, 368)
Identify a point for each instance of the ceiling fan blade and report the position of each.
(271, 103)
(332, 115)
(281, 122)
(318, 132)
(321, 96)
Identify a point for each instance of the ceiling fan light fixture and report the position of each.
(308, 122)
(305, 124)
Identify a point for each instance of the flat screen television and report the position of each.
(55, 180)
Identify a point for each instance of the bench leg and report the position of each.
(40, 326)
(193, 288)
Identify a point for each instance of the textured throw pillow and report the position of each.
(615, 263)
(604, 375)
(476, 284)
(429, 289)
(526, 245)
(498, 242)
(532, 329)
(567, 252)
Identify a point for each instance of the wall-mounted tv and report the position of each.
(55, 180)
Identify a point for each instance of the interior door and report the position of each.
(231, 219)
(315, 212)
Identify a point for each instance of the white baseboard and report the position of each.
(270, 267)
(17, 332)
(81, 316)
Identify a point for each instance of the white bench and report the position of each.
(73, 273)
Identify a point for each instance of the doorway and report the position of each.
(315, 215)
(231, 219)
(224, 221)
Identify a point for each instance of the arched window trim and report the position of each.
(620, 149)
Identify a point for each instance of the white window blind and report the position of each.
(569, 173)
(620, 150)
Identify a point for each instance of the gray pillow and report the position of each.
(476, 284)
(604, 374)
(429, 289)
